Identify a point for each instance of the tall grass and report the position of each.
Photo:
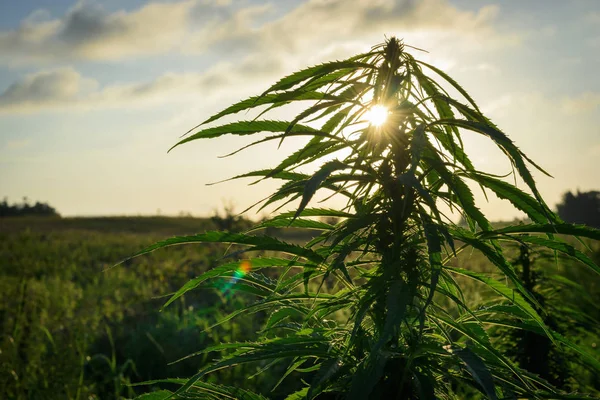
(373, 307)
(57, 300)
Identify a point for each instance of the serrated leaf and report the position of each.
(299, 395)
(478, 370)
(246, 128)
(452, 82)
(316, 71)
(494, 254)
(295, 223)
(279, 315)
(258, 243)
(500, 288)
(521, 200)
(564, 229)
(224, 270)
(311, 186)
(327, 369)
(158, 395)
(504, 143)
(296, 346)
(562, 247)
(257, 101)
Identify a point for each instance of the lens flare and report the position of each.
(239, 273)
(377, 115)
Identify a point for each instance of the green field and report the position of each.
(62, 306)
(72, 327)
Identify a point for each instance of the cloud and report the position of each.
(322, 23)
(592, 18)
(583, 103)
(594, 42)
(88, 32)
(322, 30)
(45, 88)
(485, 68)
(66, 88)
(256, 45)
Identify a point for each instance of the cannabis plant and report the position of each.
(567, 309)
(357, 311)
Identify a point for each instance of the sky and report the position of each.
(93, 93)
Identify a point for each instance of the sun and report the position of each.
(377, 115)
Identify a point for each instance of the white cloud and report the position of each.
(592, 18)
(549, 31)
(498, 105)
(45, 88)
(485, 68)
(322, 30)
(87, 31)
(319, 24)
(256, 51)
(583, 103)
(594, 42)
(569, 62)
(65, 88)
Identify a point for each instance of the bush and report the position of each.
(24, 209)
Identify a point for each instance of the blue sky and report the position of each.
(93, 93)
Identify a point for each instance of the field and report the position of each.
(72, 327)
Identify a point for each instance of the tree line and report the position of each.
(581, 208)
(577, 208)
(24, 208)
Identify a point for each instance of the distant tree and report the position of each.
(24, 208)
(581, 208)
(229, 220)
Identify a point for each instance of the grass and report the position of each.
(59, 306)
(158, 226)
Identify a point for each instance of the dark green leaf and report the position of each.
(478, 370)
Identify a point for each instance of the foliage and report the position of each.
(570, 308)
(24, 208)
(357, 310)
(72, 328)
(581, 208)
(228, 220)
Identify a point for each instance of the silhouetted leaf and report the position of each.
(246, 128)
(311, 186)
(477, 369)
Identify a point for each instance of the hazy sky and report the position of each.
(93, 93)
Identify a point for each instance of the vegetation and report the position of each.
(568, 309)
(375, 305)
(24, 208)
(72, 328)
(384, 298)
(581, 208)
(71, 306)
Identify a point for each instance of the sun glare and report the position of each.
(377, 115)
